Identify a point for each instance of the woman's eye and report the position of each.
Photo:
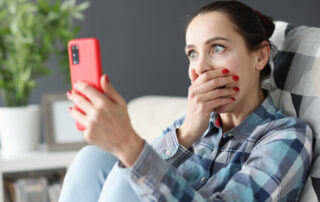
(192, 54)
(218, 48)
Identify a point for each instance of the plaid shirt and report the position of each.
(265, 158)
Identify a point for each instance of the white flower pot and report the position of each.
(19, 130)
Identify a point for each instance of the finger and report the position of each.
(78, 116)
(217, 94)
(220, 102)
(80, 101)
(110, 91)
(89, 91)
(215, 83)
(212, 74)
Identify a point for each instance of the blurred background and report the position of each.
(142, 42)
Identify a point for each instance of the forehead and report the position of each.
(209, 25)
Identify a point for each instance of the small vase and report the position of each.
(19, 130)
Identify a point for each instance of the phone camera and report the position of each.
(75, 54)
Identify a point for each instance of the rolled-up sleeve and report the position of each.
(154, 179)
(168, 147)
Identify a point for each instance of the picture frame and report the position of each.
(60, 130)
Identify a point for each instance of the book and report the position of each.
(33, 186)
(9, 193)
(31, 189)
(54, 191)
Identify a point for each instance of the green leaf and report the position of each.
(3, 13)
(43, 5)
(83, 6)
(78, 15)
(4, 31)
(68, 4)
(56, 6)
(30, 32)
(14, 28)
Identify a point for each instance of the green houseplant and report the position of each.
(30, 32)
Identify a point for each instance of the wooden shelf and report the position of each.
(35, 160)
(38, 160)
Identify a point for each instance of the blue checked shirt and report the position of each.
(265, 158)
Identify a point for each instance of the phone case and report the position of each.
(85, 64)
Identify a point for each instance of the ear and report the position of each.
(263, 54)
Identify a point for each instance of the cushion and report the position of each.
(151, 114)
(295, 86)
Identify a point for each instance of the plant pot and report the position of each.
(19, 130)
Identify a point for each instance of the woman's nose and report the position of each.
(203, 65)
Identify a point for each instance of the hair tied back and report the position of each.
(264, 21)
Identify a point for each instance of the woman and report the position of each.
(232, 145)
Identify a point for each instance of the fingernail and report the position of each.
(68, 93)
(69, 109)
(236, 89)
(107, 79)
(233, 99)
(235, 78)
(225, 71)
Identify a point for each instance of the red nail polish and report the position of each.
(107, 79)
(225, 71)
(69, 93)
(69, 109)
(236, 78)
(233, 99)
(236, 89)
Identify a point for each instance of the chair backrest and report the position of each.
(295, 86)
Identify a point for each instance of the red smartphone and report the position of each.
(85, 64)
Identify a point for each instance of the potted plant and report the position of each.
(30, 32)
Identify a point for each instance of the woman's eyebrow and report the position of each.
(209, 41)
(216, 39)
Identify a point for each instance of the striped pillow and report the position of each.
(295, 86)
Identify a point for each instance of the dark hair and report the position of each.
(253, 26)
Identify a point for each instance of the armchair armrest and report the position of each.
(150, 115)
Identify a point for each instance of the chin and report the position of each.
(224, 108)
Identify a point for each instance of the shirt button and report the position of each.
(202, 179)
(168, 152)
(141, 180)
(215, 153)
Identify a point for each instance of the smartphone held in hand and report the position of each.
(85, 64)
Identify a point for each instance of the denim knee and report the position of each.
(87, 174)
(92, 158)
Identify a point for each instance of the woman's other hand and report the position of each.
(106, 120)
(208, 91)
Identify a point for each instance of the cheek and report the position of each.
(189, 72)
(238, 64)
(243, 68)
(233, 67)
(226, 60)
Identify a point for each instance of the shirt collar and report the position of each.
(262, 114)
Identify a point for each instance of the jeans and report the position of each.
(93, 176)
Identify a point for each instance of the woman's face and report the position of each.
(213, 43)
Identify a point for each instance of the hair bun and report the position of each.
(267, 23)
